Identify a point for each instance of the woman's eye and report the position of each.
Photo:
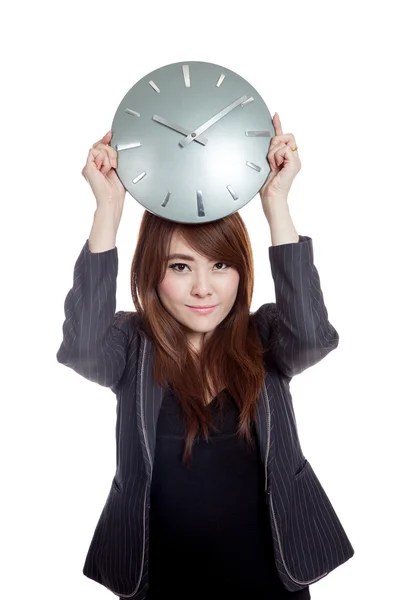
(176, 266)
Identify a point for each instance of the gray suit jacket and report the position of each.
(111, 349)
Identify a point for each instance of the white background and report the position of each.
(331, 72)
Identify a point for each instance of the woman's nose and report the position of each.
(201, 284)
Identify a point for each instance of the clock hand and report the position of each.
(178, 128)
(193, 135)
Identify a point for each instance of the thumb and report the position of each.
(112, 176)
(272, 175)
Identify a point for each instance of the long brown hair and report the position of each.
(232, 355)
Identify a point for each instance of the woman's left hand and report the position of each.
(284, 162)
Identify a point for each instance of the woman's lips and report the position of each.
(202, 311)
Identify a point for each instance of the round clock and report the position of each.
(192, 140)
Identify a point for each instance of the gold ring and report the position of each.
(294, 148)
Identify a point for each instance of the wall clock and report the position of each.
(192, 140)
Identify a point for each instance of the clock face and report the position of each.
(192, 141)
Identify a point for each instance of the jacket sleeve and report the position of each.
(295, 331)
(94, 345)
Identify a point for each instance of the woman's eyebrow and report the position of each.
(181, 256)
(187, 257)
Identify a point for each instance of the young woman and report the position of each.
(212, 495)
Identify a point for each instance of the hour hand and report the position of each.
(179, 129)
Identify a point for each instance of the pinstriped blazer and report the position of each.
(111, 349)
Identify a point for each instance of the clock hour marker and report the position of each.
(139, 177)
(186, 75)
(129, 111)
(119, 147)
(253, 166)
(166, 199)
(200, 205)
(251, 99)
(258, 133)
(154, 86)
(220, 80)
(232, 192)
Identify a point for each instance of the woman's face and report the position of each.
(193, 280)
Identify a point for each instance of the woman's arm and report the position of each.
(94, 344)
(295, 331)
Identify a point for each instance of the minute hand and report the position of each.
(185, 141)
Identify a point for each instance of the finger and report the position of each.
(112, 153)
(101, 160)
(90, 163)
(272, 154)
(277, 124)
(106, 166)
(94, 159)
(286, 154)
(286, 138)
(280, 156)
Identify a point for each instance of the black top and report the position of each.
(210, 534)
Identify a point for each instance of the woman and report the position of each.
(212, 495)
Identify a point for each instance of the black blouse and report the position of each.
(210, 533)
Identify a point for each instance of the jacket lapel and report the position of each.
(149, 396)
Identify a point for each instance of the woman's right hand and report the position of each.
(99, 172)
